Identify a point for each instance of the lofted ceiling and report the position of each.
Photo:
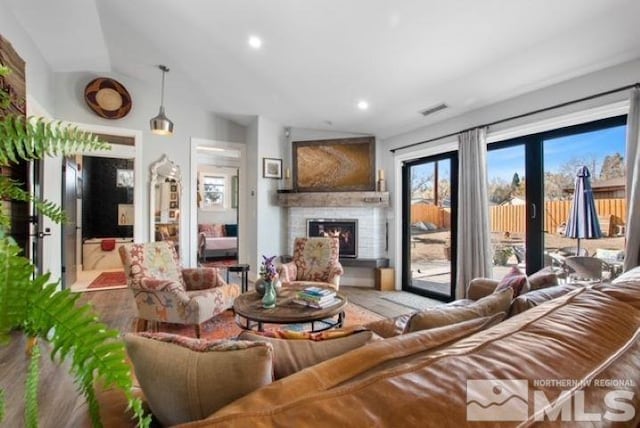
(319, 58)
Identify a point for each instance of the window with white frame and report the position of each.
(214, 189)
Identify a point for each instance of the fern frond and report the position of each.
(5, 101)
(10, 189)
(1, 405)
(15, 280)
(94, 350)
(31, 389)
(34, 138)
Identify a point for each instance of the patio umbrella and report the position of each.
(583, 218)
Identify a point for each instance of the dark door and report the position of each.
(69, 227)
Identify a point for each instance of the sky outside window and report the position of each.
(559, 152)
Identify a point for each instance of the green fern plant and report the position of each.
(35, 306)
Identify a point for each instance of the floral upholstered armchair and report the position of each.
(164, 292)
(315, 260)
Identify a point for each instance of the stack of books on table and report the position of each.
(316, 297)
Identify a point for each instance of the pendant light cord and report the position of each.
(164, 71)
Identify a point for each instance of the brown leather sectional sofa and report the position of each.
(573, 360)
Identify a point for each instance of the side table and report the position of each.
(243, 270)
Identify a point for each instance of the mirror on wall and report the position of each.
(165, 190)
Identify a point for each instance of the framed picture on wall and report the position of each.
(351, 162)
(173, 196)
(174, 187)
(124, 178)
(172, 214)
(173, 205)
(271, 168)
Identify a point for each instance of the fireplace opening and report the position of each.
(345, 230)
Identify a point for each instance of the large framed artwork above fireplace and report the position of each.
(346, 230)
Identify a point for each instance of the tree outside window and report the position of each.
(213, 191)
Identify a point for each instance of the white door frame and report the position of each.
(193, 204)
(125, 152)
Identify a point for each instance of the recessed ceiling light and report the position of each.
(255, 42)
(363, 105)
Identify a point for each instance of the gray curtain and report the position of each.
(474, 235)
(632, 246)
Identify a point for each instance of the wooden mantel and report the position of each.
(333, 199)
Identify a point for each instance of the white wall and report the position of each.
(250, 239)
(271, 239)
(189, 119)
(573, 89)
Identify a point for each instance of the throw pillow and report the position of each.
(537, 297)
(212, 230)
(516, 280)
(440, 316)
(294, 351)
(231, 229)
(186, 379)
(630, 275)
(544, 278)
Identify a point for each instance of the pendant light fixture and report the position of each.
(161, 125)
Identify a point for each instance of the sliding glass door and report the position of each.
(531, 182)
(507, 195)
(429, 212)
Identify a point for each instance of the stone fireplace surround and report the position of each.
(371, 236)
(368, 208)
(371, 226)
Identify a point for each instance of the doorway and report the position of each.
(106, 190)
(217, 214)
(429, 226)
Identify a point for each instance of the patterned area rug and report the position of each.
(223, 263)
(224, 325)
(410, 300)
(108, 281)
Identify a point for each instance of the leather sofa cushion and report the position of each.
(439, 316)
(294, 353)
(537, 297)
(625, 291)
(581, 336)
(389, 327)
(186, 379)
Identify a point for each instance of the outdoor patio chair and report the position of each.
(165, 292)
(573, 251)
(556, 263)
(586, 268)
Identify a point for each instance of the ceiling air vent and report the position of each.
(433, 109)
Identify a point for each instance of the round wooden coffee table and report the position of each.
(249, 306)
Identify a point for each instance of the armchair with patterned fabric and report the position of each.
(315, 260)
(165, 292)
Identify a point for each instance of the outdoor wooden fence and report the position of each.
(512, 218)
(439, 216)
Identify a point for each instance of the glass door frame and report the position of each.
(534, 174)
(406, 224)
